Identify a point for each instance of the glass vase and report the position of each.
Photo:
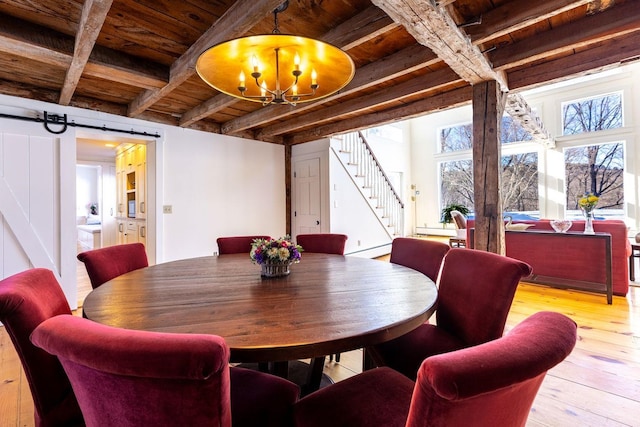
(588, 222)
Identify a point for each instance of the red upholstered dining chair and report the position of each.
(26, 300)
(491, 384)
(475, 292)
(138, 378)
(107, 263)
(422, 255)
(236, 244)
(322, 243)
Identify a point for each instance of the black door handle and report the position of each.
(317, 222)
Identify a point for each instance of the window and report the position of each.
(592, 114)
(456, 138)
(519, 171)
(519, 182)
(456, 183)
(460, 137)
(596, 169)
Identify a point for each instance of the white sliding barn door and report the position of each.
(37, 202)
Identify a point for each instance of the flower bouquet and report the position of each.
(275, 255)
(587, 204)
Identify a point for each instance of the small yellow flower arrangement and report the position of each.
(588, 202)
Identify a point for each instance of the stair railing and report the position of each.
(369, 170)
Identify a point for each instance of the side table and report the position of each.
(635, 253)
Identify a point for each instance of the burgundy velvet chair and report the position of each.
(475, 292)
(26, 300)
(491, 384)
(236, 244)
(422, 255)
(107, 263)
(138, 378)
(322, 243)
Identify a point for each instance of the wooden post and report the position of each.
(488, 105)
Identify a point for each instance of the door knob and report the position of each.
(317, 222)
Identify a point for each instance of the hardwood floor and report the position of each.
(597, 385)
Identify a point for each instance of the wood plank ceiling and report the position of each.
(136, 58)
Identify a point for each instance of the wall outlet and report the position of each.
(167, 209)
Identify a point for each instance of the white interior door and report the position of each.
(307, 197)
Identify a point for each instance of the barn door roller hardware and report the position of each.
(61, 120)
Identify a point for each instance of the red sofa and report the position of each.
(571, 262)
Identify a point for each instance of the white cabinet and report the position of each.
(141, 181)
(131, 182)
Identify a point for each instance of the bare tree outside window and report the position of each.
(456, 183)
(456, 138)
(594, 169)
(520, 182)
(598, 170)
(519, 171)
(593, 114)
(511, 131)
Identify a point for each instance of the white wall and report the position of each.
(219, 186)
(86, 188)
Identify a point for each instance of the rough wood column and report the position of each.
(488, 105)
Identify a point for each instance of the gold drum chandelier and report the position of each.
(276, 68)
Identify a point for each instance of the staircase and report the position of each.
(365, 171)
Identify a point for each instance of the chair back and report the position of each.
(420, 254)
(492, 384)
(107, 263)
(237, 244)
(26, 300)
(138, 378)
(322, 243)
(459, 220)
(475, 292)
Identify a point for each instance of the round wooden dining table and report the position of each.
(327, 304)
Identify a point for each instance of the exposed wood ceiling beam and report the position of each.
(451, 99)
(355, 31)
(609, 54)
(516, 15)
(94, 12)
(29, 41)
(366, 25)
(518, 108)
(48, 47)
(435, 29)
(236, 21)
(614, 22)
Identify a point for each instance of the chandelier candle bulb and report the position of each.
(242, 81)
